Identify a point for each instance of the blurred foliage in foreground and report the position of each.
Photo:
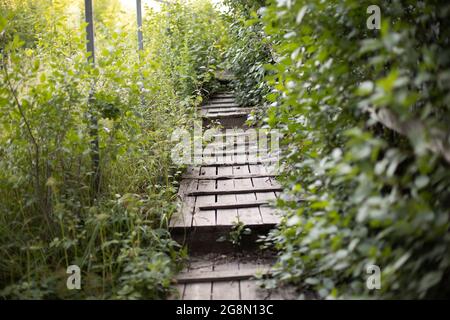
(49, 217)
(369, 195)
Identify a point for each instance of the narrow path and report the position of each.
(230, 186)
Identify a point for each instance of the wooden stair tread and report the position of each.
(233, 191)
(225, 110)
(219, 106)
(225, 115)
(224, 275)
(231, 176)
(217, 205)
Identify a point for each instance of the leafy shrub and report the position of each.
(247, 52)
(359, 193)
(49, 215)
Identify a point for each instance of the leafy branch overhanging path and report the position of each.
(229, 187)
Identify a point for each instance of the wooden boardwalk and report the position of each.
(230, 185)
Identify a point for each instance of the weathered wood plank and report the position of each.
(248, 213)
(250, 290)
(257, 169)
(205, 217)
(220, 275)
(225, 115)
(223, 95)
(221, 191)
(221, 99)
(225, 290)
(231, 152)
(224, 110)
(221, 177)
(235, 163)
(197, 291)
(226, 217)
(268, 214)
(220, 105)
(183, 217)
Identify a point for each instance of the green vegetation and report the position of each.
(363, 115)
(372, 195)
(50, 217)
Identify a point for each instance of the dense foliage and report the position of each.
(247, 52)
(50, 216)
(359, 193)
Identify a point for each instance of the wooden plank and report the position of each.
(248, 212)
(222, 191)
(257, 169)
(231, 144)
(224, 110)
(241, 157)
(223, 95)
(220, 105)
(183, 218)
(221, 177)
(235, 163)
(200, 265)
(230, 111)
(268, 214)
(233, 152)
(210, 206)
(226, 217)
(274, 182)
(226, 290)
(250, 290)
(265, 183)
(221, 100)
(225, 115)
(192, 171)
(234, 134)
(220, 275)
(208, 171)
(206, 217)
(197, 291)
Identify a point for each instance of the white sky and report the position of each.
(131, 4)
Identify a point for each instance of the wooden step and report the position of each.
(223, 95)
(220, 106)
(233, 191)
(216, 100)
(225, 110)
(217, 205)
(235, 134)
(227, 144)
(225, 115)
(231, 176)
(213, 153)
(224, 275)
(237, 163)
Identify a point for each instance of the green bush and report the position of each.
(247, 53)
(359, 193)
(49, 215)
